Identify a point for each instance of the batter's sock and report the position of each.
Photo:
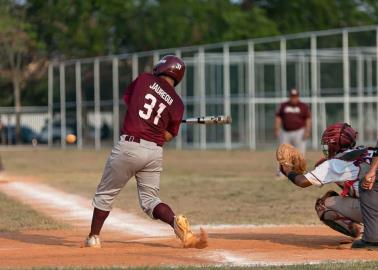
(98, 220)
(163, 212)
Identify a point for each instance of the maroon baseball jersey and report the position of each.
(293, 116)
(153, 107)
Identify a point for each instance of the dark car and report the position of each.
(43, 137)
(27, 135)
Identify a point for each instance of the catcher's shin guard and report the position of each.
(342, 224)
(335, 220)
(187, 237)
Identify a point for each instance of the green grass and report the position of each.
(207, 186)
(15, 216)
(323, 266)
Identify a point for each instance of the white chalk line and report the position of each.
(229, 258)
(232, 258)
(6, 249)
(77, 211)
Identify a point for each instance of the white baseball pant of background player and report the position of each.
(295, 138)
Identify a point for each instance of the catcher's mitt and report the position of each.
(287, 155)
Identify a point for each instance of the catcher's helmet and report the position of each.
(338, 137)
(171, 66)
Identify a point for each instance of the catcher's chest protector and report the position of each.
(361, 157)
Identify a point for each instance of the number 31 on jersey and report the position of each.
(149, 106)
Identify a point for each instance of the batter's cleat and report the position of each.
(365, 245)
(92, 242)
(187, 237)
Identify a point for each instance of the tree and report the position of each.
(78, 28)
(96, 27)
(20, 54)
(311, 15)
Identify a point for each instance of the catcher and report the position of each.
(345, 165)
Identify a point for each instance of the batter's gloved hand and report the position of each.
(290, 159)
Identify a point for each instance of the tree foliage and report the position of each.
(20, 53)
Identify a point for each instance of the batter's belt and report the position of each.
(130, 138)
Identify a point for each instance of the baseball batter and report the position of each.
(345, 165)
(153, 117)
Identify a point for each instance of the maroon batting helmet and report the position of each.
(171, 66)
(338, 137)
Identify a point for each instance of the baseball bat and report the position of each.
(208, 120)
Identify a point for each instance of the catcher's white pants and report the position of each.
(143, 160)
(295, 138)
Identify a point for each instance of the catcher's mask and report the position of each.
(337, 138)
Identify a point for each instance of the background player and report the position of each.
(293, 122)
(153, 117)
(345, 166)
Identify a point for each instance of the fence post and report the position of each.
(79, 104)
(50, 103)
(97, 115)
(156, 57)
(116, 123)
(360, 109)
(179, 91)
(346, 76)
(183, 128)
(314, 92)
(134, 66)
(283, 67)
(226, 93)
(62, 77)
(202, 94)
(376, 77)
(251, 110)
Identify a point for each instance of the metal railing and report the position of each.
(335, 70)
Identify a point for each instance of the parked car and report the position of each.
(43, 136)
(27, 135)
(105, 132)
(89, 132)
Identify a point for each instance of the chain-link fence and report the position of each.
(335, 71)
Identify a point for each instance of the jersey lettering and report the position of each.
(149, 106)
(159, 112)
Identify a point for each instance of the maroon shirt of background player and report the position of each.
(153, 107)
(293, 116)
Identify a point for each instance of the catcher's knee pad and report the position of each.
(320, 206)
(335, 220)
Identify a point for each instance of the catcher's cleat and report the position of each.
(92, 241)
(187, 237)
(364, 245)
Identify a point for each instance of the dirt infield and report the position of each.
(252, 246)
(129, 240)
